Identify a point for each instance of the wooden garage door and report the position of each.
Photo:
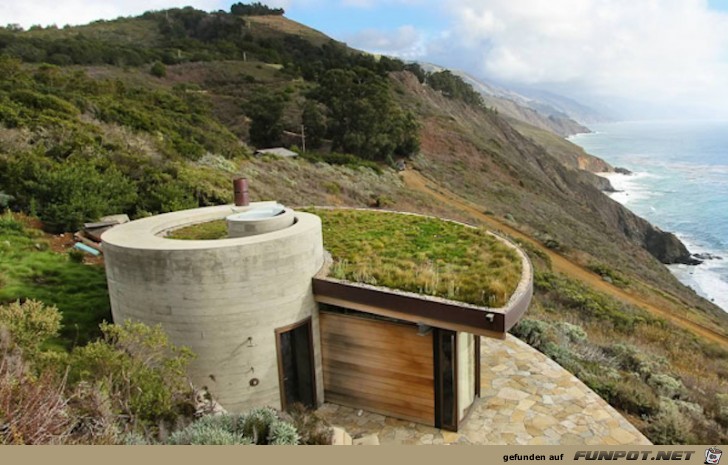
(378, 366)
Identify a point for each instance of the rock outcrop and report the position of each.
(663, 245)
(667, 248)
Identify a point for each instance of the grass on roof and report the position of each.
(409, 253)
(418, 254)
(210, 230)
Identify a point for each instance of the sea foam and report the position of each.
(680, 184)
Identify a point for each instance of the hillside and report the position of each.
(519, 108)
(157, 113)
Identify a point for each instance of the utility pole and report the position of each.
(303, 138)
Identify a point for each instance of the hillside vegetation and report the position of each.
(157, 113)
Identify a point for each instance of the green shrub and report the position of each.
(578, 297)
(669, 425)
(573, 332)
(332, 187)
(257, 424)
(382, 201)
(608, 274)
(342, 159)
(5, 199)
(30, 324)
(632, 395)
(133, 439)
(665, 385)
(632, 359)
(39, 101)
(312, 429)
(199, 433)
(9, 225)
(65, 195)
(158, 69)
(722, 410)
(533, 332)
(154, 385)
(76, 256)
(282, 434)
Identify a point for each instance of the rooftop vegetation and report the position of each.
(408, 252)
(208, 231)
(420, 254)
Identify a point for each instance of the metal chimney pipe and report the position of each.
(240, 187)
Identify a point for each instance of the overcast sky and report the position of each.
(647, 57)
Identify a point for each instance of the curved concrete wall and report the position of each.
(243, 227)
(224, 298)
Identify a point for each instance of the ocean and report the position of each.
(679, 183)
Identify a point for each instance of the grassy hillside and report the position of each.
(158, 113)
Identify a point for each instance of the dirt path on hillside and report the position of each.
(561, 264)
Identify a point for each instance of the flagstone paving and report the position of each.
(526, 398)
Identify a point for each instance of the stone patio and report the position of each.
(526, 398)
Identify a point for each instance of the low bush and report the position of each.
(344, 159)
(30, 323)
(210, 430)
(608, 274)
(33, 410)
(312, 429)
(261, 426)
(669, 425)
(76, 256)
(588, 303)
(154, 386)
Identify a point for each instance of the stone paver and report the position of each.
(526, 398)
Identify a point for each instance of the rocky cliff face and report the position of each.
(481, 156)
(664, 246)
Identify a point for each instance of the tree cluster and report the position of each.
(255, 9)
(454, 87)
(362, 116)
(77, 171)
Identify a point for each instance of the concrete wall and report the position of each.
(223, 298)
(466, 372)
(252, 227)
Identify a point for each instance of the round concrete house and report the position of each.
(270, 327)
(236, 302)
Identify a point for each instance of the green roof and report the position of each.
(420, 254)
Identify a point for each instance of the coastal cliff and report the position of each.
(540, 180)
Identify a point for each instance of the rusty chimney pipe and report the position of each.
(240, 187)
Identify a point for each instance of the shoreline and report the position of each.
(702, 278)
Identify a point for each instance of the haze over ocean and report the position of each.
(680, 184)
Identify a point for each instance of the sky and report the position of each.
(638, 58)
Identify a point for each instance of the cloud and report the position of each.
(656, 52)
(652, 50)
(381, 3)
(60, 13)
(405, 41)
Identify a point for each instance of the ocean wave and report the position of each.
(708, 280)
(629, 187)
(680, 185)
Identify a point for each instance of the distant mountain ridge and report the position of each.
(544, 110)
